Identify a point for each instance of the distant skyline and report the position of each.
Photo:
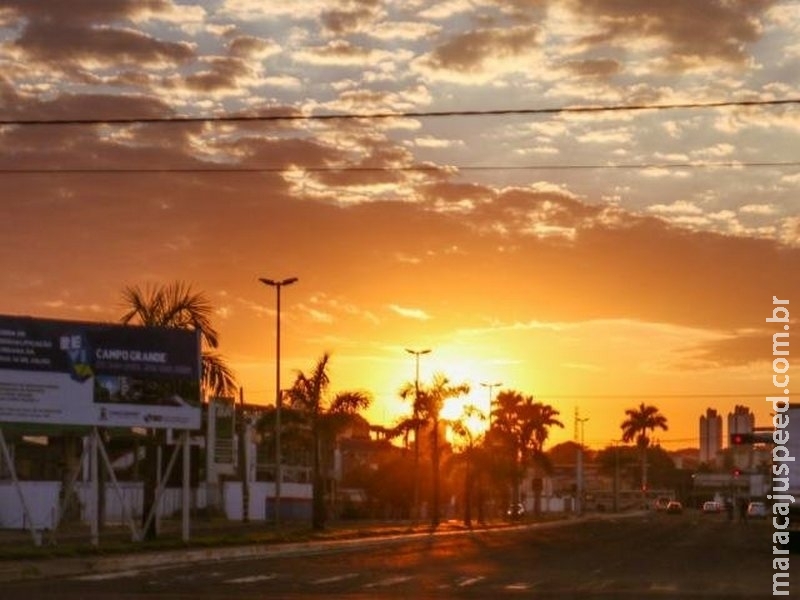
(593, 260)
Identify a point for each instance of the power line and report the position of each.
(643, 396)
(406, 114)
(418, 168)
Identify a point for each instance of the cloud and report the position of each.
(679, 207)
(480, 55)
(735, 349)
(758, 209)
(597, 67)
(351, 20)
(341, 53)
(402, 30)
(73, 38)
(410, 313)
(692, 33)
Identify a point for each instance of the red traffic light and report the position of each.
(743, 439)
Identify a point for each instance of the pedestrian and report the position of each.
(743, 510)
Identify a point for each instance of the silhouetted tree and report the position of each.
(428, 403)
(464, 429)
(524, 425)
(638, 422)
(177, 305)
(326, 418)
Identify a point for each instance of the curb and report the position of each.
(74, 567)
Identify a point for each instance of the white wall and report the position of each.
(260, 492)
(41, 498)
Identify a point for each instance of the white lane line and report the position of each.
(670, 587)
(334, 579)
(471, 581)
(252, 578)
(520, 587)
(389, 581)
(107, 576)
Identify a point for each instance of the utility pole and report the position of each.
(579, 422)
(491, 387)
(243, 463)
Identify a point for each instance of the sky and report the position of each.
(593, 260)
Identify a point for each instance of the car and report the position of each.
(674, 507)
(661, 503)
(515, 512)
(711, 507)
(757, 510)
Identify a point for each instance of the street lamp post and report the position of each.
(417, 354)
(616, 474)
(278, 284)
(579, 487)
(491, 387)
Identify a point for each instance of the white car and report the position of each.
(757, 510)
(711, 507)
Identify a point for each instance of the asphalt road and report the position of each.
(657, 556)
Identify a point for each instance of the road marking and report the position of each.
(334, 579)
(471, 581)
(605, 584)
(517, 586)
(389, 581)
(107, 576)
(252, 578)
(670, 587)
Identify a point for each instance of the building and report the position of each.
(741, 420)
(710, 437)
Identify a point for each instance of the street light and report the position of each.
(417, 354)
(278, 396)
(579, 487)
(491, 386)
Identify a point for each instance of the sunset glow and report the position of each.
(589, 259)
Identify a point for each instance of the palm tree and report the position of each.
(640, 421)
(523, 426)
(470, 438)
(404, 428)
(541, 418)
(177, 305)
(428, 404)
(326, 418)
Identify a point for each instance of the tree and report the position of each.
(326, 417)
(177, 305)
(428, 404)
(404, 428)
(464, 429)
(541, 417)
(523, 425)
(638, 422)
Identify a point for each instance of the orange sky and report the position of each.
(591, 260)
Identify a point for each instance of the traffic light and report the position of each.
(743, 439)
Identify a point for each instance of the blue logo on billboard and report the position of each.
(77, 349)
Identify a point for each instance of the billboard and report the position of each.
(76, 373)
